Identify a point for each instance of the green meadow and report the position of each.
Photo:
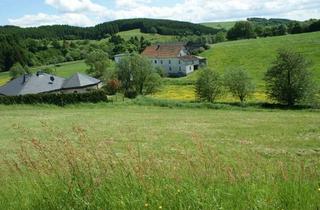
(153, 38)
(220, 25)
(254, 55)
(124, 156)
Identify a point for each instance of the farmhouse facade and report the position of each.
(173, 58)
(47, 83)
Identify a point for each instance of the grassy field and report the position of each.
(153, 38)
(220, 25)
(255, 55)
(136, 157)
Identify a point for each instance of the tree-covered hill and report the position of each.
(153, 26)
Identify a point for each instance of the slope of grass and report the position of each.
(153, 38)
(131, 157)
(220, 25)
(256, 55)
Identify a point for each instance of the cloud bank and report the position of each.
(88, 13)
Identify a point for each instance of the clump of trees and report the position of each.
(99, 64)
(137, 76)
(242, 30)
(289, 80)
(261, 27)
(210, 84)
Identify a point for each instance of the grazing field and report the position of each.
(136, 157)
(256, 55)
(220, 25)
(153, 38)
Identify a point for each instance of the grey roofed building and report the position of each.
(46, 83)
(80, 81)
(32, 84)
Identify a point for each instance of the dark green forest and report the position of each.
(163, 27)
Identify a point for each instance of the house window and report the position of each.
(190, 68)
(179, 62)
(170, 69)
(161, 61)
(155, 61)
(169, 61)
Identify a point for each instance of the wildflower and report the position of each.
(160, 207)
(179, 191)
(319, 189)
(146, 205)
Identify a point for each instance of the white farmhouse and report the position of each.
(173, 58)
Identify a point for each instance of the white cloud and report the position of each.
(86, 12)
(131, 3)
(75, 5)
(45, 19)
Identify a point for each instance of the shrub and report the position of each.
(113, 86)
(137, 76)
(208, 85)
(289, 80)
(55, 98)
(18, 70)
(239, 83)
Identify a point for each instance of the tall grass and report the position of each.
(82, 173)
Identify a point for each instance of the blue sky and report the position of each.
(27, 13)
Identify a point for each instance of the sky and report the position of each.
(29, 13)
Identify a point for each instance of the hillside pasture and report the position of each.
(220, 25)
(153, 38)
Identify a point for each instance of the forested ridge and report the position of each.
(163, 27)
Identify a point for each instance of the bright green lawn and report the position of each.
(136, 157)
(153, 38)
(220, 25)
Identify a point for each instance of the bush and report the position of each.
(137, 76)
(239, 83)
(56, 98)
(18, 70)
(289, 80)
(208, 85)
(113, 86)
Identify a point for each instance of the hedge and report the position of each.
(56, 98)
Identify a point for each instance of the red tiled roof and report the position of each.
(163, 50)
(189, 58)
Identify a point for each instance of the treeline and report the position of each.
(260, 27)
(37, 52)
(163, 27)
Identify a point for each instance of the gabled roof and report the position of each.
(79, 80)
(32, 84)
(189, 58)
(163, 50)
